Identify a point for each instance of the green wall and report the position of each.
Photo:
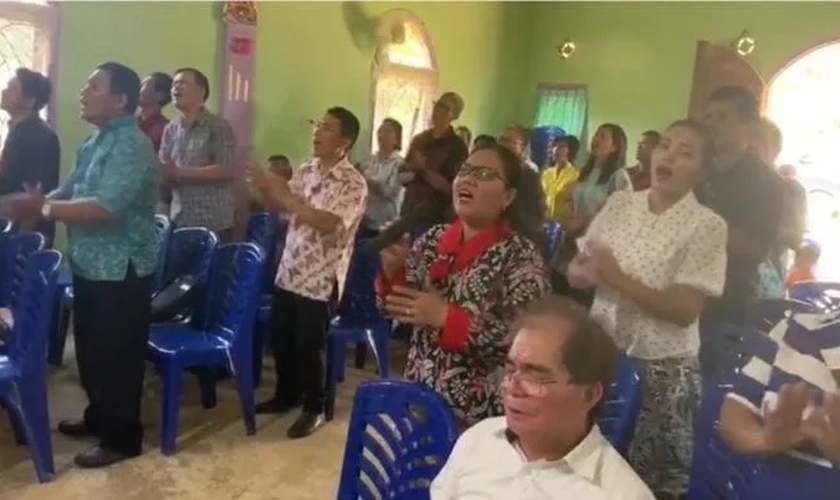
(310, 55)
(638, 58)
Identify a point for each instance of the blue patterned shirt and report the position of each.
(116, 167)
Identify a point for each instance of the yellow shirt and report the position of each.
(557, 183)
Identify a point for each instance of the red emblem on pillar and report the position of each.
(240, 45)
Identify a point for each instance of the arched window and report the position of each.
(26, 30)
(405, 77)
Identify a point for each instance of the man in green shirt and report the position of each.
(108, 205)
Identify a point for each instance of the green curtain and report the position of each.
(566, 108)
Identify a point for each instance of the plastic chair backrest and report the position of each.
(18, 249)
(233, 290)
(263, 230)
(33, 311)
(824, 295)
(189, 251)
(163, 230)
(6, 226)
(553, 236)
(359, 298)
(399, 437)
(619, 411)
(765, 314)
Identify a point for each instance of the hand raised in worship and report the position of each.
(822, 427)
(393, 257)
(782, 428)
(426, 308)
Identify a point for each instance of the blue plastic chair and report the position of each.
(765, 314)
(399, 437)
(223, 338)
(553, 234)
(64, 292)
(717, 472)
(824, 295)
(18, 249)
(263, 230)
(358, 320)
(23, 372)
(618, 414)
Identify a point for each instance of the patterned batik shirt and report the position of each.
(314, 262)
(116, 167)
(209, 140)
(492, 290)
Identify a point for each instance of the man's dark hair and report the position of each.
(572, 143)
(35, 86)
(123, 81)
(278, 158)
(200, 80)
(743, 99)
(162, 83)
(348, 122)
(651, 135)
(483, 140)
(589, 355)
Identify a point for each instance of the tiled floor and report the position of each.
(215, 459)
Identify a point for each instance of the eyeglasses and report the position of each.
(532, 384)
(479, 173)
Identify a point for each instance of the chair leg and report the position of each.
(173, 382)
(382, 338)
(60, 326)
(15, 419)
(207, 378)
(36, 425)
(245, 390)
(258, 356)
(361, 355)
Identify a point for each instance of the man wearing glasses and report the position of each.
(547, 445)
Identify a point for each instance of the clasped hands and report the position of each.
(425, 307)
(597, 264)
(795, 419)
(24, 206)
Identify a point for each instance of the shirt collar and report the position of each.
(584, 459)
(334, 171)
(200, 118)
(120, 121)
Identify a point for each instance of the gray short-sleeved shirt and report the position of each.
(209, 140)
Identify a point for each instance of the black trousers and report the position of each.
(299, 339)
(111, 327)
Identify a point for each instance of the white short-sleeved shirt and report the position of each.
(486, 465)
(684, 245)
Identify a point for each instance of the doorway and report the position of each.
(801, 100)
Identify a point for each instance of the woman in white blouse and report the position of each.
(653, 257)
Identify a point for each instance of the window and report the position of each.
(404, 81)
(25, 29)
(564, 106)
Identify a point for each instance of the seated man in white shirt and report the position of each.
(547, 445)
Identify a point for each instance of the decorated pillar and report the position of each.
(239, 21)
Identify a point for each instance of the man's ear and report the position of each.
(592, 394)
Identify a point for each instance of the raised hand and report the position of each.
(783, 428)
(393, 257)
(822, 427)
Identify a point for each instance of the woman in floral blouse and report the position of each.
(461, 285)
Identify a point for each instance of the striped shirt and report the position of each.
(804, 348)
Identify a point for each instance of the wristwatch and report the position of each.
(46, 210)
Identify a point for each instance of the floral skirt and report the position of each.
(662, 445)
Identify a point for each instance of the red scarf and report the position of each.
(455, 254)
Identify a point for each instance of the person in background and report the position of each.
(482, 141)
(516, 139)
(461, 284)
(654, 257)
(197, 158)
(108, 205)
(381, 172)
(155, 94)
(465, 134)
(31, 151)
(748, 194)
(640, 172)
(280, 166)
(547, 445)
(559, 181)
(804, 262)
(324, 201)
(433, 158)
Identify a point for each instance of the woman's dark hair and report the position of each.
(397, 126)
(526, 213)
(615, 161)
(572, 143)
(707, 151)
(35, 86)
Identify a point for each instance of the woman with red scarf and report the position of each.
(461, 285)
